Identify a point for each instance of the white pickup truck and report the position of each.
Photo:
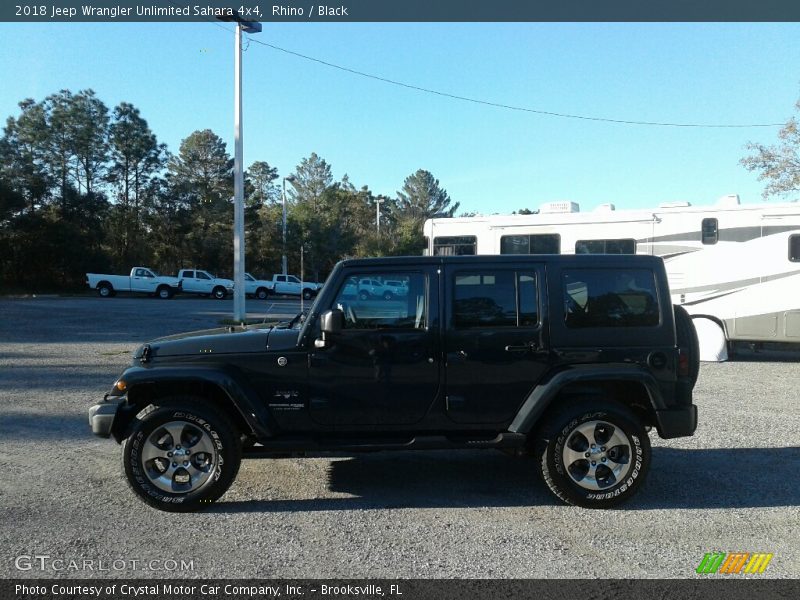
(203, 283)
(142, 280)
(291, 285)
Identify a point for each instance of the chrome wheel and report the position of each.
(179, 457)
(597, 455)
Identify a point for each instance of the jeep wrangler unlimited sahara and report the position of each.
(572, 359)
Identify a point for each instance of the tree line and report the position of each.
(88, 189)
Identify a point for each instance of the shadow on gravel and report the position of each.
(38, 427)
(680, 479)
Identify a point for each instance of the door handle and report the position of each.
(528, 347)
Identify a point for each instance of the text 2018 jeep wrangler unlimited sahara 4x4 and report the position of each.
(571, 358)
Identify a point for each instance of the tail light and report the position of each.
(683, 364)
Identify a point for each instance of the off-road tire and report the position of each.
(196, 413)
(558, 429)
(688, 341)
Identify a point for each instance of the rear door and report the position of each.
(496, 347)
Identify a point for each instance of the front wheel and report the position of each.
(262, 293)
(181, 455)
(164, 292)
(308, 294)
(593, 454)
(219, 293)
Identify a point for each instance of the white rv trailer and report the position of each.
(735, 268)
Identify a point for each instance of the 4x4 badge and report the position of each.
(282, 361)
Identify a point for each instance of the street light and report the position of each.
(239, 312)
(290, 179)
(378, 203)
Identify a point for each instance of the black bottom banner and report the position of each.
(400, 589)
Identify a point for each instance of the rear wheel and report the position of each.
(104, 290)
(593, 454)
(181, 455)
(363, 295)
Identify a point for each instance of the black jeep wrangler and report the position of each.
(571, 359)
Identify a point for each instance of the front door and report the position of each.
(495, 344)
(383, 367)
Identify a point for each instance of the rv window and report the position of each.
(794, 248)
(710, 231)
(544, 243)
(627, 246)
(495, 299)
(610, 298)
(455, 245)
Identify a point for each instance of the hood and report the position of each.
(211, 343)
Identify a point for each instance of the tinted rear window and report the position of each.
(610, 298)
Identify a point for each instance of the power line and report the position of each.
(506, 106)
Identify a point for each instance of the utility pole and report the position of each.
(239, 311)
(290, 179)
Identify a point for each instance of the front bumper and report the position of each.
(101, 416)
(676, 422)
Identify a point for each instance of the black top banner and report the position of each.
(402, 10)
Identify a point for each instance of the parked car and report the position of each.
(203, 283)
(142, 280)
(260, 288)
(569, 358)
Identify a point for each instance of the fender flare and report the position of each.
(542, 396)
(239, 392)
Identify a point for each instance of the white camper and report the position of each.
(734, 267)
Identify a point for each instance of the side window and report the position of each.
(495, 299)
(292, 279)
(201, 275)
(139, 273)
(624, 246)
(610, 298)
(455, 245)
(544, 243)
(368, 306)
(794, 248)
(146, 273)
(710, 231)
(188, 274)
(280, 278)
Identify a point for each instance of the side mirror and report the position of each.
(331, 322)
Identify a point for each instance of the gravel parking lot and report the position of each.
(732, 487)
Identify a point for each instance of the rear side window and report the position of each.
(625, 246)
(544, 243)
(462, 245)
(610, 298)
(495, 299)
(794, 248)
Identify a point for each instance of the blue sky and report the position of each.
(491, 160)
